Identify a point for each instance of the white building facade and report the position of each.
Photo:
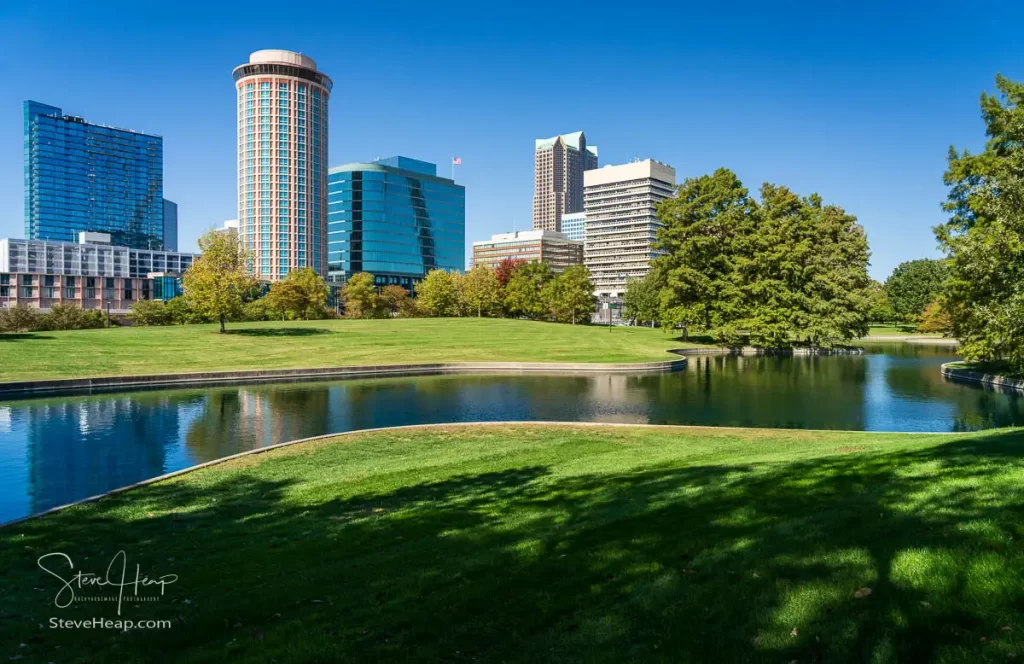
(621, 224)
(91, 256)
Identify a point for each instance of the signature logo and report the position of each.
(116, 576)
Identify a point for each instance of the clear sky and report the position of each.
(856, 101)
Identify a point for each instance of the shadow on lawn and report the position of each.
(280, 332)
(702, 563)
(22, 336)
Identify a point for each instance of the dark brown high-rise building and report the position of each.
(559, 163)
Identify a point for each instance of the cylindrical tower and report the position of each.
(282, 162)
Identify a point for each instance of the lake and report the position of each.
(56, 450)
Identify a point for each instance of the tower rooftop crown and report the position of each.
(280, 56)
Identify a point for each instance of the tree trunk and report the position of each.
(222, 319)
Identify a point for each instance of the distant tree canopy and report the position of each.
(786, 269)
(913, 285)
(984, 237)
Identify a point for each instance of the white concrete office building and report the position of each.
(621, 224)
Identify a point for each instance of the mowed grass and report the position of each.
(898, 331)
(280, 345)
(533, 543)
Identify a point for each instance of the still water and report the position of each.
(59, 449)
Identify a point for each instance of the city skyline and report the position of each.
(865, 121)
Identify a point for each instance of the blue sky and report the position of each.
(858, 102)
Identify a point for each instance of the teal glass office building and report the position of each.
(394, 218)
(81, 176)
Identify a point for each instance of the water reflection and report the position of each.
(57, 450)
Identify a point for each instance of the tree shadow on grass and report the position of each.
(22, 336)
(673, 563)
(280, 332)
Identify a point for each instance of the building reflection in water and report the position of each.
(62, 449)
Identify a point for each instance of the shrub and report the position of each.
(93, 319)
(63, 317)
(150, 312)
(19, 318)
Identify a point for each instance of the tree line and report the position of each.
(515, 289)
(776, 271)
(911, 296)
(220, 288)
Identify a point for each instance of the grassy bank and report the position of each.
(277, 345)
(897, 331)
(534, 543)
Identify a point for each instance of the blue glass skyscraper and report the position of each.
(87, 177)
(394, 218)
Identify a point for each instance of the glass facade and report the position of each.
(170, 225)
(396, 219)
(88, 177)
(574, 226)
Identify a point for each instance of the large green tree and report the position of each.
(481, 291)
(360, 296)
(701, 225)
(834, 288)
(642, 299)
(570, 296)
(913, 285)
(984, 237)
(217, 281)
(438, 294)
(524, 293)
(771, 251)
(881, 310)
(783, 270)
(395, 300)
(303, 293)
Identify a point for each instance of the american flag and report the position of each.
(456, 161)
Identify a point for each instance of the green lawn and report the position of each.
(527, 543)
(276, 345)
(897, 331)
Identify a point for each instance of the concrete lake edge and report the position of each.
(356, 371)
(991, 380)
(59, 385)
